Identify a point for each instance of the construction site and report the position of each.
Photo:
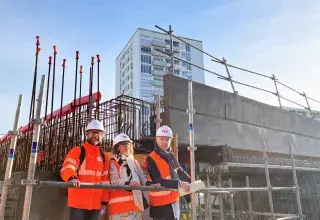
(257, 161)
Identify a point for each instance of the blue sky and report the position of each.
(271, 36)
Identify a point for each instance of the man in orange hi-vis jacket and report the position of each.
(87, 163)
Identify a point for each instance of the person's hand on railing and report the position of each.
(157, 185)
(75, 183)
(134, 183)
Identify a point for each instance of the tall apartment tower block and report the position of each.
(140, 68)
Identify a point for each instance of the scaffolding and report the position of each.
(219, 191)
(269, 189)
(51, 136)
(229, 78)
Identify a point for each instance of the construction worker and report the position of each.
(125, 170)
(87, 163)
(164, 168)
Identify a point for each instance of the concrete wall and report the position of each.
(225, 118)
(46, 204)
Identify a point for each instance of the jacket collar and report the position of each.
(91, 147)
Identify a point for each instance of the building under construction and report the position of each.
(258, 161)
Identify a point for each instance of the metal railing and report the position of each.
(269, 189)
(230, 79)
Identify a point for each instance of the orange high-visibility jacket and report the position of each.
(92, 170)
(121, 201)
(159, 198)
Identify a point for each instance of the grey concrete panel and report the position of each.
(306, 126)
(234, 109)
(176, 91)
(225, 118)
(278, 119)
(252, 112)
(216, 131)
(206, 100)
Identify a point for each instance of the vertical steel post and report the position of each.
(208, 211)
(295, 181)
(51, 136)
(171, 51)
(175, 147)
(90, 90)
(268, 177)
(309, 108)
(221, 212)
(61, 104)
(14, 137)
(231, 201)
(158, 112)
(249, 199)
(34, 151)
(229, 76)
(80, 108)
(47, 101)
(74, 100)
(191, 148)
(98, 86)
(277, 91)
(199, 201)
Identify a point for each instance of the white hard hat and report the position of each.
(121, 138)
(164, 131)
(95, 125)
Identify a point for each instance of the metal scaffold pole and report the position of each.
(34, 151)
(192, 148)
(8, 173)
(250, 213)
(295, 181)
(158, 112)
(264, 145)
(277, 91)
(171, 51)
(229, 76)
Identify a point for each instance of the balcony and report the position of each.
(158, 43)
(159, 63)
(158, 72)
(156, 53)
(157, 83)
(148, 94)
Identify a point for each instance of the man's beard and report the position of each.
(93, 141)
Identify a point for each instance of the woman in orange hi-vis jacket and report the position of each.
(85, 203)
(125, 170)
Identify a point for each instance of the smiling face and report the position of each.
(94, 137)
(164, 142)
(125, 148)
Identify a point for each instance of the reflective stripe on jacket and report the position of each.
(92, 170)
(121, 201)
(162, 197)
